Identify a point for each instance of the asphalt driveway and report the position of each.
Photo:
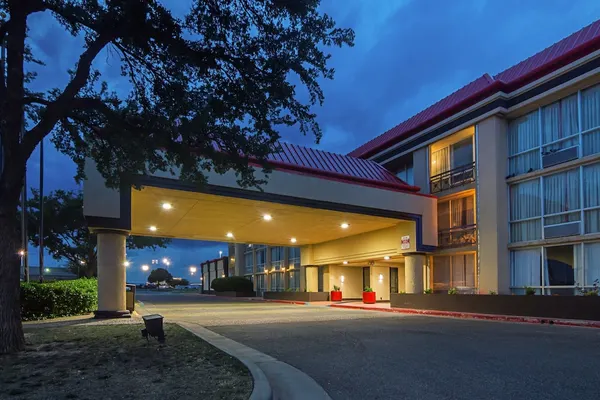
(357, 354)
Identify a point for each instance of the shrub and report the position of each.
(529, 291)
(493, 292)
(428, 291)
(453, 291)
(232, 284)
(58, 299)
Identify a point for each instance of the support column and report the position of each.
(240, 260)
(492, 206)
(111, 274)
(414, 265)
(302, 278)
(286, 265)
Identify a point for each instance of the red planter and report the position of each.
(369, 297)
(336, 296)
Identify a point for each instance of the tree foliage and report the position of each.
(160, 275)
(206, 91)
(66, 234)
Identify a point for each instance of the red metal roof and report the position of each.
(324, 164)
(554, 57)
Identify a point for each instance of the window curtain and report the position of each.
(525, 267)
(561, 192)
(525, 203)
(592, 262)
(590, 116)
(457, 212)
(559, 120)
(591, 198)
(441, 273)
(523, 134)
(440, 161)
(462, 153)
(443, 215)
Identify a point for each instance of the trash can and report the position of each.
(130, 297)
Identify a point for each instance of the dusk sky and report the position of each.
(407, 55)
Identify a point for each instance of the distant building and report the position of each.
(50, 274)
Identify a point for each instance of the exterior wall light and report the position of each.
(342, 278)
(380, 277)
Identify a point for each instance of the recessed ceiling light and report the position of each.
(267, 217)
(293, 240)
(345, 262)
(344, 225)
(153, 228)
(166, 206)
(386, 257)
(229, 235)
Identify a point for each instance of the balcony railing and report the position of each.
(459, 236)
(453, 178)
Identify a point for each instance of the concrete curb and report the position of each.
(273, 379)
(261, 388)
(487, 317)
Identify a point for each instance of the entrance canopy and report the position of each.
(312, 198)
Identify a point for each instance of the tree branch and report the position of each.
(60, 107)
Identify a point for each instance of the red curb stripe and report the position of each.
(488, 317)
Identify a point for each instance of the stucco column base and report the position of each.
(414, 265)
(111, 275)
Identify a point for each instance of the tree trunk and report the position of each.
(11, 329)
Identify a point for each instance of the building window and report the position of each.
(525, 211)
(276, 281)
(452, 166)
(553, 128)
(561, 198)
(294, 280)
(261, 258)
(524, 144)
(456, 222)
(455, 271)
(555, 269)
(405, 172)
(591, 198)
(569, 205)
(260, 283)
(248, 262)
(276, 257)
(590, 120)
(294, 255)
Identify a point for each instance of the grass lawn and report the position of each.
(114, 362)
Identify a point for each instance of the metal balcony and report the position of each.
(452, 178)
(459, 236)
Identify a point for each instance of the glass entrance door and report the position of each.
(366, 277)
(393, 280)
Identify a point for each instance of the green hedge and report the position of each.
(58, 299)
(232, 284)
